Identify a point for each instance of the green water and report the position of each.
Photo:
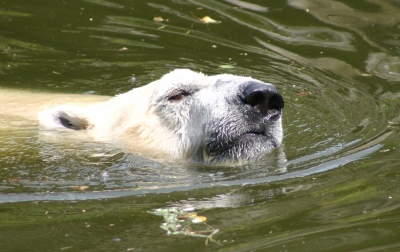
(333, 185)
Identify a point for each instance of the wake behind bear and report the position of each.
(185, 115)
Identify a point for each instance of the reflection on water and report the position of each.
(384, 66)
(317, 36)
(363, 19)
(332, 186)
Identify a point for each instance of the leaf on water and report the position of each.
(82, 188)
(199, 219)
(159, 19)
(209, 20)
(226, 66)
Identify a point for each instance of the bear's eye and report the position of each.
(178, 95)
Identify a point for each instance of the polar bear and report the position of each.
(185, 115)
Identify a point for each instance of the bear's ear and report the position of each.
(70, 117)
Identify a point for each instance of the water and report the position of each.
(332, 186)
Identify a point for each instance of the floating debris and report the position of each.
(179, 221)
(159, 19)
(82, 188)
(198, 219)
(207, 20)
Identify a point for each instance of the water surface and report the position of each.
(332, 186)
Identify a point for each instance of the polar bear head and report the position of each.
(185, 114)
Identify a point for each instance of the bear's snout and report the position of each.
(264, 99)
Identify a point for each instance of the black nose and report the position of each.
(263, 98)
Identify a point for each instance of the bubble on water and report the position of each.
(117, 239)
